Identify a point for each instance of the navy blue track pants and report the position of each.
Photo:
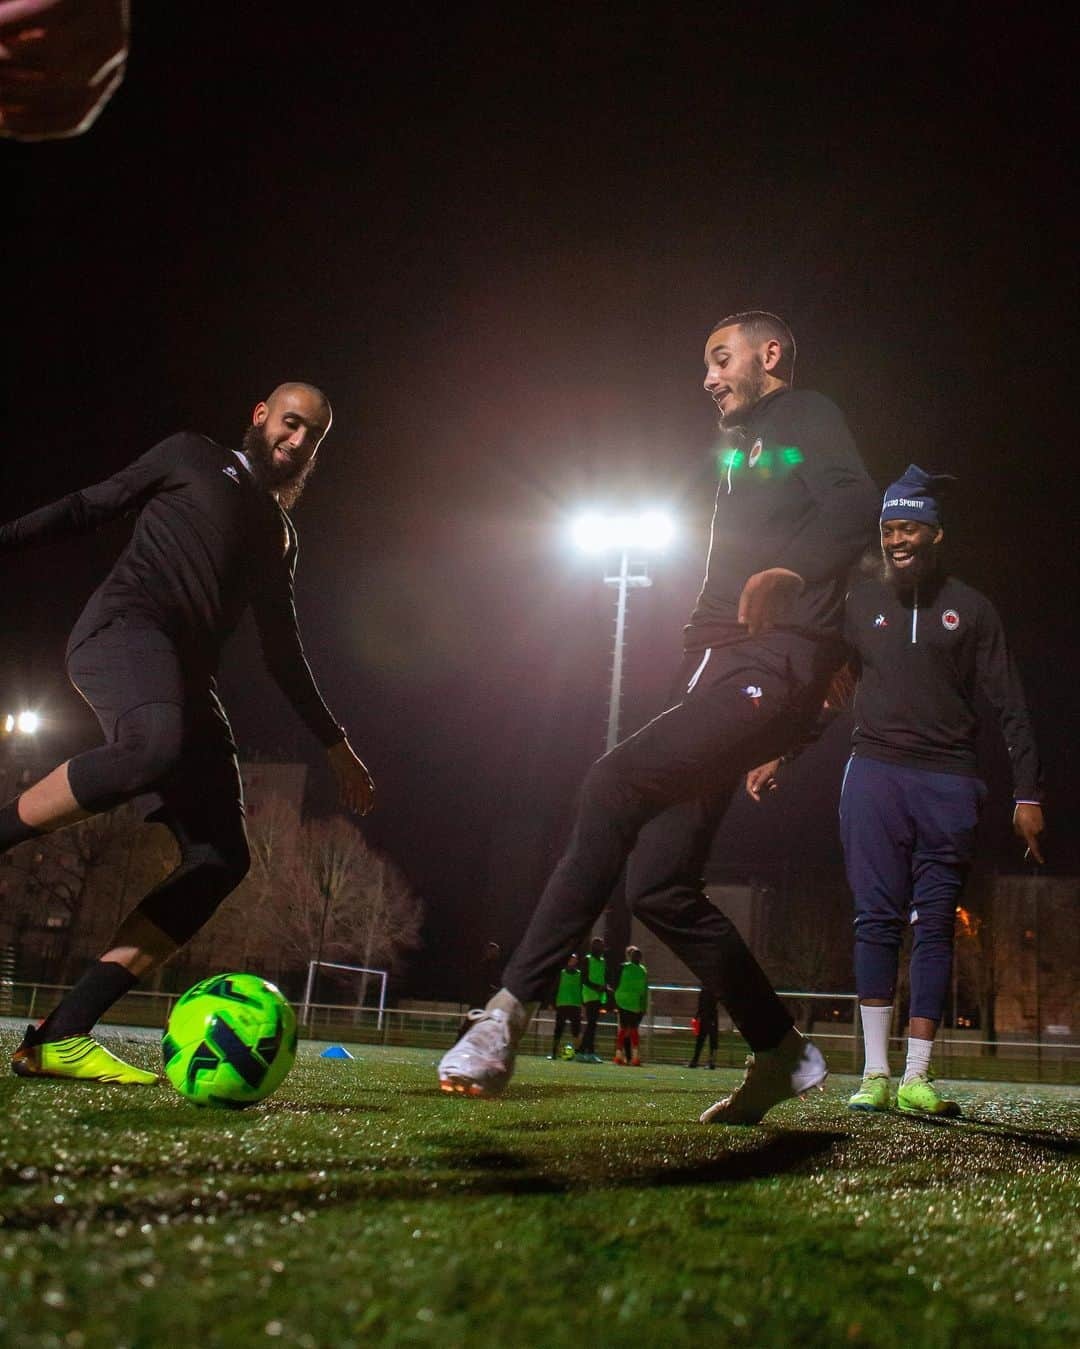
(909, 838)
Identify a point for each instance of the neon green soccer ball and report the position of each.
(568, 1051)
(230, 1041)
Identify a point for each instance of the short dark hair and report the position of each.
(761, 326)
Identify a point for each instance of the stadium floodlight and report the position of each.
(21, 723)
(633, 536)
(647, 531)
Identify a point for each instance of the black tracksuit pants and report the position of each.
(592, 1015)
(168, 747)
(567, 1015)
(707, 1032)
(657, 799)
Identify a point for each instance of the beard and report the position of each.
(747, 392)
(281, 481)
(923, 568)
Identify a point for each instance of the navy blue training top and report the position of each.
(920, 656)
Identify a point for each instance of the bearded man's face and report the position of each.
(909, 552)
(735, 376)
(272, 466)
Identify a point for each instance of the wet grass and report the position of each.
(359, 1207)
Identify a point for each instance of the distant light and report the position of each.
(648, 531)
(9, 724)
(655, 530)
(27, 722)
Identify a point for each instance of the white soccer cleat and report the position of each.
(482, 1061)
(793, 1068)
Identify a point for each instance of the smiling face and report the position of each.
(909, 551)
(283, 438)
(739, 372)
(294, 420)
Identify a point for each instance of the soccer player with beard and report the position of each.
(922, 643)
(211, 538)
(794, 511)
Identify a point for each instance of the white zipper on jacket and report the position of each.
(915, 618)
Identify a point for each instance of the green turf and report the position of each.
(587, 1208)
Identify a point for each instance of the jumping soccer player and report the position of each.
(212, 537)
(631, 1000)
(794, 511)
(922, 643)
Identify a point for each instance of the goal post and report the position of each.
(315, 965)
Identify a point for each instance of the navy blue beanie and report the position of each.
(916, 496)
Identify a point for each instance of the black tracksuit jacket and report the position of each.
(207, 543)
(794, 494)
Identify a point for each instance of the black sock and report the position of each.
(12, 829)
(104, 983)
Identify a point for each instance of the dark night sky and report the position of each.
(498, 244)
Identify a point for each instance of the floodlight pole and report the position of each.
(625, 582)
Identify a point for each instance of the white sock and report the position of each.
(876, 1022)
(918, 1057)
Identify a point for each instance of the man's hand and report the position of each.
(767, 598)
(355, 787)
(1028, 824)
(762, 779)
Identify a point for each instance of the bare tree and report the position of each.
(315, 891)
(64, 873)
(242, 934)
(343, 901)
(807, 944)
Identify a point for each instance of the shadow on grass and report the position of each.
(1067, 1145)
(523, 1091)
(487, 1172)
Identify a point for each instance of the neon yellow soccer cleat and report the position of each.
(77, 1058)
(918, 1097)
(873, 1093)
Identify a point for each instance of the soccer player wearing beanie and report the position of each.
(923, 644)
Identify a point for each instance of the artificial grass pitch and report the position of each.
(360, 1206)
